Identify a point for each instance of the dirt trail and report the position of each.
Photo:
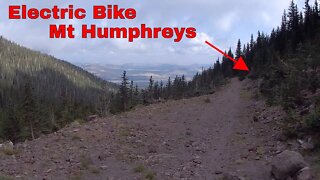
(198, 138)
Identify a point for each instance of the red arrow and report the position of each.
(239, 65)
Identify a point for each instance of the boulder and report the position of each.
(92, 118)
(305, 174)
(75, 124)
(287, 164)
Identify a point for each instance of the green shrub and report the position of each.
(291, 125)
(139, 169)
(313, 121)
(3, 177)
(150, 176)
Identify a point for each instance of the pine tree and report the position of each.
(123, 92)
(161, 89)
(10, 127)
(156, 90)
(66, 115)
(29, 110)
(169, 88)
(131, 94)
(151, 89)
(183, 85)
(293, 17)
(293, 25)
(307, 18)
(238, 50)
(316, 8)
(136, 95)
(284, 22)
(104, 103)
(282, 38)
(251, 43)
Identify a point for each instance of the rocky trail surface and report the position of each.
(208, 137)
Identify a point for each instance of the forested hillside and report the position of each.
(285, 63)
(40, 94)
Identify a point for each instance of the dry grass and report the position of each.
(9, 152)
(86, 164)
(124, 131)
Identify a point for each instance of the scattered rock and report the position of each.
(75, 124)
(92, 118)
(306, 145)
(305, 174)
(281, 137)
(287, 164)
(103, 167)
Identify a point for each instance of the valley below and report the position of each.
(140, 73)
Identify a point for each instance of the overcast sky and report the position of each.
(220, 21)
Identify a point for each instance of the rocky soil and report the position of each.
(218, 136)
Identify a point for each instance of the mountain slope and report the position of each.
(197, 138)
(41, 91)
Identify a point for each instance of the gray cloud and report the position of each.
(221, 21)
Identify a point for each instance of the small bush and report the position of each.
(139, 169)
(9, 152)
(313, 121)
(124, 131)
(291, 124)
(3, 177)
(85, 162)
(150, 176)
(94, 170)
